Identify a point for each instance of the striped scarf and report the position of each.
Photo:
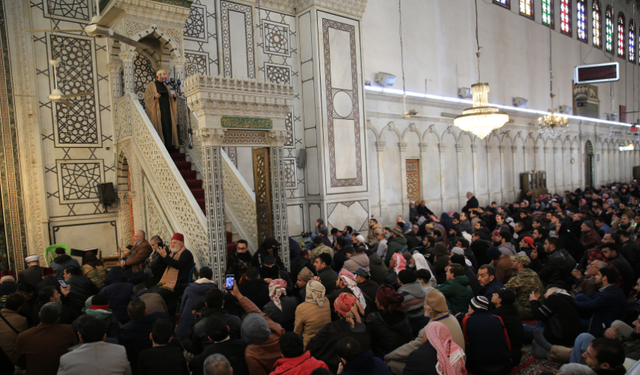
(170, 277)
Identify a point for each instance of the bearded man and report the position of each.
(179, 262)
(161, 108)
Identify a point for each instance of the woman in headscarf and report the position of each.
(282, 308)
(350, 312)
(438, 355)
(389, 326)
(313, 313)
(93, 268)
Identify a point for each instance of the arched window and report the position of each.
(621, 35)
(504, 3)
(608, 30)
(565, 17)
(547, 13)
(526, 8)
(632, 41)
(581, 18)
(597, 24)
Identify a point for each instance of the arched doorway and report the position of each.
(589, 165)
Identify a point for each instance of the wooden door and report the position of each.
(413, 180)
(262, 187)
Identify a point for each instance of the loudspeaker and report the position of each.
(106, 195)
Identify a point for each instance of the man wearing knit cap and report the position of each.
(435, 307)
(33, 274)
(303, 278)
(488, 348)
(523, 282)
(358, 243)
(261, 334)
(179, 262)
(588, 236)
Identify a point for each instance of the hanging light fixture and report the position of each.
(553, 124)
(481, 119)
(626, 144)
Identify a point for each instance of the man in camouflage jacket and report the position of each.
(523, 282)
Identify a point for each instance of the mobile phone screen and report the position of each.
(228, 285)
(62, 283)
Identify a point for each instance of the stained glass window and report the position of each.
(504, 3)
(526, 8)
(581, 20)
(565, 17)
(608, 30)
(632, 41)
(547, 13)
(597, 24)
(621, 35)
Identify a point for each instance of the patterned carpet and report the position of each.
(530, 365)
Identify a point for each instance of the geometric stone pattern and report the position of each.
(79, 179)
(196, 27)
(280, 223)
(68, 9)
(196, 63)
(276, 38)
(144, 74)
(77, 125)
(225, 7)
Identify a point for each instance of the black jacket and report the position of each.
(422, 361)
(560, 314)
(388, 332)
(31, 276)
(479, 249)
(298, 264)
(81, 288)
(162, 360)
(323, 345)
(412, 240)
(134, 336)
(515, 330)
(234, 260)
(256, 291)
(557, 268)
(328, 278)
(199, 336)
(233, 350)
(631, 252)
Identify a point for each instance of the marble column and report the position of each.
(474, 163)
(115, 67)
(489, 168)
(441, 149)
(214, 196)
(402, 147)
(536, 167)
(279, 202)
(423, 176)
(380, 153)
(128, 57)
(514, 150)
(502, 176)
(460, 196)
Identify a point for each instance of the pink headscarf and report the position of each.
(277, 287)
(401, 263)
(350, 281)
(450, 356)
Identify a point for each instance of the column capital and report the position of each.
(380, 145)
(514, 149)
(564, 149)
(442, 147)
(572, 149)
(127, 55)
(488, 148)
(474, 147)
(115, 66)
(402, 146)
(545, 148)
(423, 147)
(536, 149)
(501, 148)
(555, 149)
(458, 147)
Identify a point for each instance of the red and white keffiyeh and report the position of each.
(400, 263)
(450, 356)
(349, 280)
(277, 287)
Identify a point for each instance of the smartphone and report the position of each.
(537, 289)
(577, 265)
(230, 280)
(62, 283)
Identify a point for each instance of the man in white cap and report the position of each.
(33, 274)
(161, 108)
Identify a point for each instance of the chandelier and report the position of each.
(626, 144)
(553, 124)
(481, 119)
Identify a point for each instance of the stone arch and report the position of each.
(122, 173)
(391, 127)
(430, 130)
(165, 45)
(376, 135)
(409, 129)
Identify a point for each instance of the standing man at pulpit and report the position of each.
(161, 108)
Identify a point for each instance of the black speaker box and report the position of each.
(106, 195)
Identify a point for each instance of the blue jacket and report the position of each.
(119, 295)
(366, 364)
(490, 288)
(600, 309)
(195, 292)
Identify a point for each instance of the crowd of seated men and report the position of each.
(455, 294)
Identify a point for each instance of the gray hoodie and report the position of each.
(507, 248)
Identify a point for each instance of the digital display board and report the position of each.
(607, 72)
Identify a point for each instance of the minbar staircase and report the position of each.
(190, 177)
